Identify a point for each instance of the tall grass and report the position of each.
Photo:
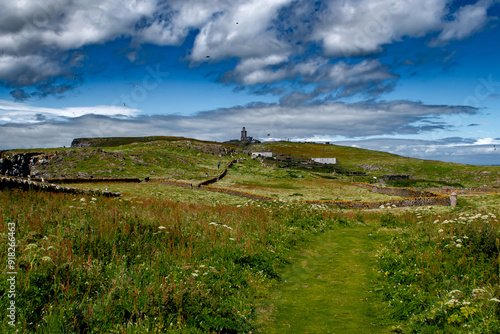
(441, 274)
(106, 265)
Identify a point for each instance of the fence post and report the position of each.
(453, 199)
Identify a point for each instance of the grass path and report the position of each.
(327, 287)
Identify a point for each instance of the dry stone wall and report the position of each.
(14, 182)
(94, 180)
(218, 177)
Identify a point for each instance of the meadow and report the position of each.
(110, 265)
(440, 272)
(161, 258)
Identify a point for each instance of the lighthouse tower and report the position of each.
(244, 135)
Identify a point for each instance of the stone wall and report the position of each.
(402, 192)
(13, 182)
(18, 165)
(407, 202)
(94, 180)
(218, 177)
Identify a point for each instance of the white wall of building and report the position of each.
(329, 161)
(262, 154)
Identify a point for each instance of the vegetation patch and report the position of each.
(103, 265)
(440, 274)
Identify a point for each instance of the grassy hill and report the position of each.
(190, 159)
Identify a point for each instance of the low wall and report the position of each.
(93, 180)
(407, 202)
(402, 192)
(12, 182)
(218, 177)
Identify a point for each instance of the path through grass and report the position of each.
(327, 288)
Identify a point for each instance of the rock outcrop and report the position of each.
(19, 165)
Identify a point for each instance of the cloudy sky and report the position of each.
(418, 78)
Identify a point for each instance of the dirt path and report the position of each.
(327, 289)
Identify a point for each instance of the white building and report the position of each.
(262, 154)
(327, 161)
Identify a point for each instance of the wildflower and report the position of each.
(436, 221)
(31, 246)
(161, 227)
(214, 224)
(194, 274)
(93, 199)
(82, 199)
(451, 302)
(480, 293)
(459, 245)
(495, 300)
(485, 217)
(440, 230)
(46, 259)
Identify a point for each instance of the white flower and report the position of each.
(459, 245)
(194, 274)
(46, 259)
(436, 221)
(82, 199)
(31, 246)
(214, 224)
(161, 227)
(495, 300)
(458, 240)
(440, 230)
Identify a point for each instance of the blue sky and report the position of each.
(415, 78)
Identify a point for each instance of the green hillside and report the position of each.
(162, 258)
(190, 160)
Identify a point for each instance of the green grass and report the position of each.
(328, 288)
(440, 273)
(250, 176)
(105, 265)
(161, 191)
